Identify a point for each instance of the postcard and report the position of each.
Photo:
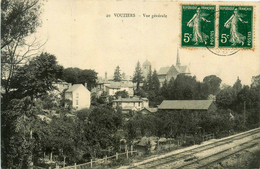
(130, 84)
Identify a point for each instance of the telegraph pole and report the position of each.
(244, 113)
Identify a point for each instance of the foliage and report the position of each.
(16, 144)
(237, 85)
(122, 94)
(138, 77)
(226, 98)
(152, 88)
(140, 93)
(213, 83)
(78, 76)
(155, 82)
(143, 123)
(19, 19)
(117, 74)
(36, 78)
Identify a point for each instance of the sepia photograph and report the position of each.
(165, 84)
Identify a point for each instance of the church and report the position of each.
(146, 68)
(166, 73)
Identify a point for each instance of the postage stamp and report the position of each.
(235, 26)
(198, 26)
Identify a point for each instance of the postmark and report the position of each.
(216, 50)
(193, 17)
(235, 26)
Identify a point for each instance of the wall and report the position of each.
(82, 95)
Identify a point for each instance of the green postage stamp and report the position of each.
(198, 26)
(235, 26)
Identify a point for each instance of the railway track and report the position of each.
(219, 156)
(188, 155)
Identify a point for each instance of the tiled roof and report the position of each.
(74, 87)
(133, 99)
(183, 69)
(151, 109)
(185, 104)
(118, 85)
(163, 70)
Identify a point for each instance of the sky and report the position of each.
(79, 34)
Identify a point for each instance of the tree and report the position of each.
(237, 85)
(155, 82)
(182, 88)
(71, 75)
(122, 94)
(19, 19)
(36, 78)
(88, 76)
(213, 83)
(78, 76)
(16, 143)
(164, 90)
(117, 74)
(154, 90)
(138, 77)
(32, 81)
(103, 123)
(226, 98)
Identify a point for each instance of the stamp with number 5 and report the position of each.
(235, 26)
(198, 26)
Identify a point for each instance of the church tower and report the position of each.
(178, 62)
(146, 68)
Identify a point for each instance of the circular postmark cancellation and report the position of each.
(219, 51)
(234, 30)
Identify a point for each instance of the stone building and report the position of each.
(166, 73)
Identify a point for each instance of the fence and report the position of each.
(208, 137)
(99, 162)
(167, 145)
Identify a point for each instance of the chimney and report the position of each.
(178, 62)
(105, 75)
(86, 85)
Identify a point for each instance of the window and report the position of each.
(77, 95)
(77, 102)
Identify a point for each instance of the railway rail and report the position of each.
(187, 155)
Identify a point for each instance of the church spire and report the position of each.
(178, 62)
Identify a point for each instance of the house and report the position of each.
(61, 85)
(134, 103)
(114, 87)
(111, 87)
(79, 95)
(191, 105)
(166, 73)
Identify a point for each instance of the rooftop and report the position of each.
(163, 70)
(185, 104)
(150, 109)
(133, 99)
(74, 87)
(121, 84)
